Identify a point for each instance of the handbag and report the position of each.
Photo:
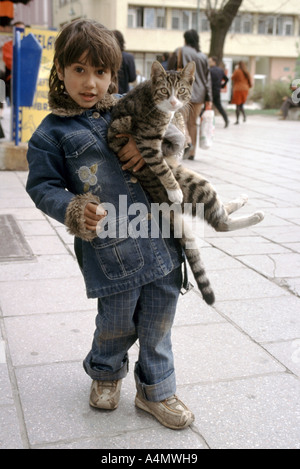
(207, 129)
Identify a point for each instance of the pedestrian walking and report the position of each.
(71, 169)
(219, 80)
(127, 72)
(202, 91)
(241, 84)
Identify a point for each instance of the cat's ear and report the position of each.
(189, 71)
(157, 70)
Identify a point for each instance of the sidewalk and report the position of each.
(237, 364)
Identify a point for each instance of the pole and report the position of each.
(16, 83)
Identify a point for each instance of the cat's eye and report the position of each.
(181, 90)
(164, 90)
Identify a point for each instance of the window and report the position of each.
(204, 23)
(184, 19)
(150, 18)
(276, 25)
(135, 17)
(242, 24)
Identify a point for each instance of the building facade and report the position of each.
(264, 34)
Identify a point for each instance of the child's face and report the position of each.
(85, 84)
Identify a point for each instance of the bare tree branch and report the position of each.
(220, 21)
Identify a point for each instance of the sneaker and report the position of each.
(105, 394)
(171, 412)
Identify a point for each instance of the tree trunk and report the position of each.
(220, 22)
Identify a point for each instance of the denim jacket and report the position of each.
(70, 164)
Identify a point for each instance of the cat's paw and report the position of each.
(175, 196)
(259, 216)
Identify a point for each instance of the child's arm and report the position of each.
(130, 155)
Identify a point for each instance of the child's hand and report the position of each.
(92, 216)
(130, 154)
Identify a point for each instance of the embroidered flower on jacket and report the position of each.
(88, 176)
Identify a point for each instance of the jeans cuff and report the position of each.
(156, 392)
(104, 375)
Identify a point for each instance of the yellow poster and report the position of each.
(31, 117)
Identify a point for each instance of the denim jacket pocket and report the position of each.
(119, 257)
(76, 143)
(83, 157)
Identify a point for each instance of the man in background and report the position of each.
(127, 72)
(218, 80)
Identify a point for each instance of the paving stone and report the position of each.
(242, 284)
(55, 295)
(57, 410)
(48, 338)
(251, 413)
(274, 265)
(287, 353)
(201, 354)
(263, 318)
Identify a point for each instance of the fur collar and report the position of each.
(62, 105)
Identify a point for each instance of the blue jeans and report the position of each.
(147, 314)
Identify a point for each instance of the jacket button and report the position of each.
(133, 180)
(96, 115)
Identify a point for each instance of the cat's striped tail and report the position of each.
(197, 267)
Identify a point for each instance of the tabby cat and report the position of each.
(146, 112)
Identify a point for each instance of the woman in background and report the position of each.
(241, 85)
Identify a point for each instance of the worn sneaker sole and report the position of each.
(143, 405)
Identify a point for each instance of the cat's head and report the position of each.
(172, 90)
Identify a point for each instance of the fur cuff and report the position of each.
(74, 220)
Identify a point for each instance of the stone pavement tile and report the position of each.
(254, 413)
(279, 234)
(49, 338)
(274, 265)
(241, 245)
(29, 213)
(160, 438)
(192, 309)
(64, 235)
(205, 353)
(10, 437)
(214, 259)
(57, 411)
(287, 353)
(36, 228)
(56, 266)
(293, 246)
(9, 179)
(293, 284)
(47, 295)
(287, 213)
(265, 319)
(46, 245)
(6, 397)
(16, 202)
(242, 284)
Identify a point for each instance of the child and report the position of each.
(136, 279)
